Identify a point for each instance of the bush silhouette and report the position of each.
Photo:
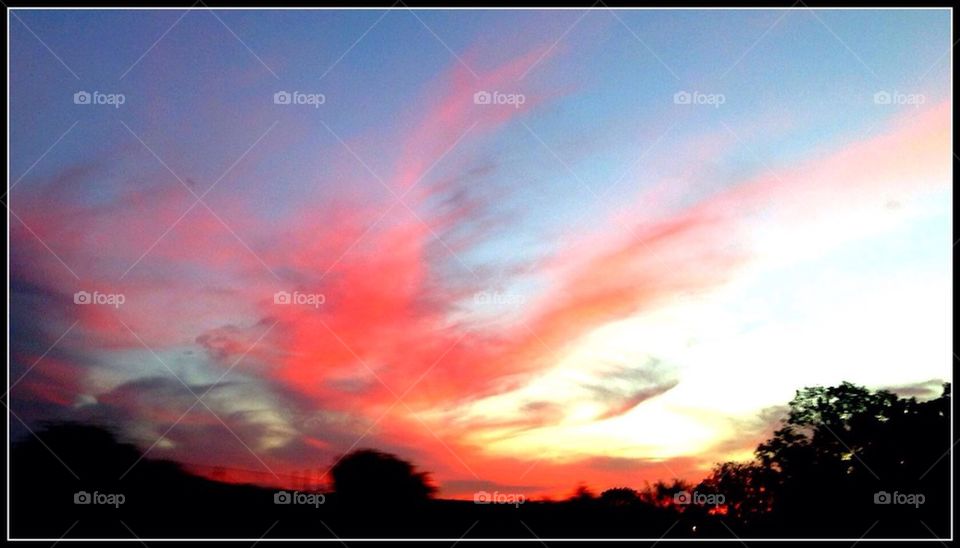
(620, 496)
(372, 477)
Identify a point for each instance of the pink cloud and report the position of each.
(389, 300)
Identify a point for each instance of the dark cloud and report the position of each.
(625, 386)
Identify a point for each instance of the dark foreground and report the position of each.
(847, 464)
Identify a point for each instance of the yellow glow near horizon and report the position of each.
(770, 328)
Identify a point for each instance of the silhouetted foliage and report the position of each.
(583, 494)
(662, 493)
(822, 474)
(745, 487)
(620, 496)
(367, 475)
(840, 452)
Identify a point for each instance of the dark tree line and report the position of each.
(847, 462)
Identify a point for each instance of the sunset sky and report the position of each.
(587, 280)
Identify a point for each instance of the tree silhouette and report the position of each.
(745, 488)
(620, 496)
(664, 494)
(368, 476)
(583, 494)
(838, 450)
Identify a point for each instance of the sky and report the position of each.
(525, 250)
